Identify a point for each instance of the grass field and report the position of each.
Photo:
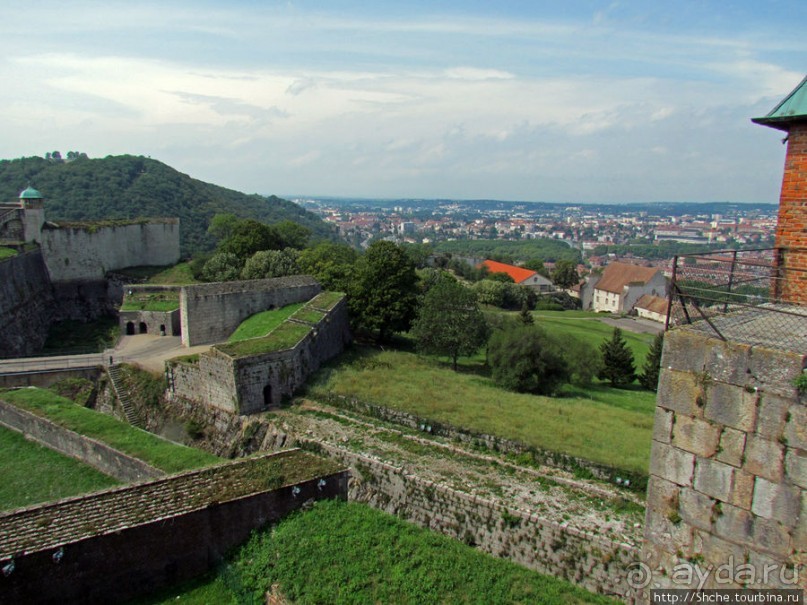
(7, 252)
(350, 553)
(599, 423)
(165, 455)
(33, 473)
(74, 337)
(262, 323)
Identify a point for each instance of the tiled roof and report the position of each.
(618, 275)
(519, 274)
(654, 304)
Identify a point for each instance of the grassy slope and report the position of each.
(7, 253)
(351, 553)
(32, 473)
(262, 323)
(160, 453)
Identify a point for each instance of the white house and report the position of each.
(623, 284)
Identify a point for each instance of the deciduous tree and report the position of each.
(527, 359)
(565, 274)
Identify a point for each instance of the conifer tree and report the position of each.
(525, 316)
(617, 360)
(650, 370)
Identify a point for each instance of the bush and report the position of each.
(528, 360)
(584, 360)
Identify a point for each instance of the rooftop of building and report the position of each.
(792, 108)
(519, 274)
(616, 276)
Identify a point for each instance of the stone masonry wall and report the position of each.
(99, 455)
(211, 312)
(26, 304)
(88, 253)
(728, 468)
(585, 559)
(208, 381)
(791, 231)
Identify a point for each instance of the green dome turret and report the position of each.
(30, 194)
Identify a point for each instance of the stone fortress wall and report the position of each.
(88, 252)
(150, 322)
(211, 312)
(26, 304)
(728, 468)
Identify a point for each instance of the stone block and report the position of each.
(774, 370)
(696, 436)
(742, 491)
(771, 415)
(667, 535)
(800, 533)
(734, 524)
(685, 351)
(763, 457)
(729, 362)
(777, 501)
(681, 392)
(769, 572)
(731, 405)
(796, 427)
(696, 508)
(670, 463)
(662, 496)
(714, 479)
(718, 551)
(662, 425)
(772, 537)
(796, 466)
(732, 446)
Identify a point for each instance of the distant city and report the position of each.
(590, 227)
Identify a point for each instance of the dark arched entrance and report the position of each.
(267, 395)
(130, 328)
(143, 328)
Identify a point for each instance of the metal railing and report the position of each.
(754, 296)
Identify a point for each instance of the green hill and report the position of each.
(130, 186)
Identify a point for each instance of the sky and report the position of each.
(577, 101)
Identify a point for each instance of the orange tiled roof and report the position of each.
(618, 275)
(519, 274)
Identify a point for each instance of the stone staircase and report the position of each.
(122, 393)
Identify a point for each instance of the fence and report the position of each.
(741, 295)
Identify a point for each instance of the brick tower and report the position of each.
(791, 233)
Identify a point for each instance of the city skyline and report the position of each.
(597, 102)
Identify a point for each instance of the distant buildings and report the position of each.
(621, 285)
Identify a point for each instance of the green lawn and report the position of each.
(351, 553)
(151, 301)
(165, 455)
(262, 323)
(599, 423)
(284, 336)
(7, 252)
(33, 473)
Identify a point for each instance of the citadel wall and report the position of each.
(26, 304)
(728, 468)
(88, 252)
(211, 312)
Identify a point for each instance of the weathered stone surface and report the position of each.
(769, 572)
(680, 392)
(800, 533)
(685, 351)
(742, 492)
(772, 537)
(774, 370)
(662, 496)
(732, 446)
(662, 425)
(796, 428)
(714, 479)
(729, 362)
(696, 436)
(776, 501)
(696, 508)
(731, 405)
(796, 466)
(734, 524)
(771, 415)
(670, 463)
(667, 534)
(763, 457)
(718, 551)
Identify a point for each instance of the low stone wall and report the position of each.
(45, 378)
(638, 482)
(99, 455)
(582, 558)
(211, 312)
(115, 545)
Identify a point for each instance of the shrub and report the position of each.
(528, 360)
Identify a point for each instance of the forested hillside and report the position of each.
(130, 186)
(549, 250)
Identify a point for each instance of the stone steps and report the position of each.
(121, 391)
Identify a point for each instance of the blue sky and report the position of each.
(544, 101)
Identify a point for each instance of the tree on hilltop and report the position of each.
(617, 361)
(450, 321)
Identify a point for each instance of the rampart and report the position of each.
(26, 304)
(211, 312)
(99, 455)
(87, 252)
(114, 545)
(147, 320)
(728, 468)
(254, 383)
